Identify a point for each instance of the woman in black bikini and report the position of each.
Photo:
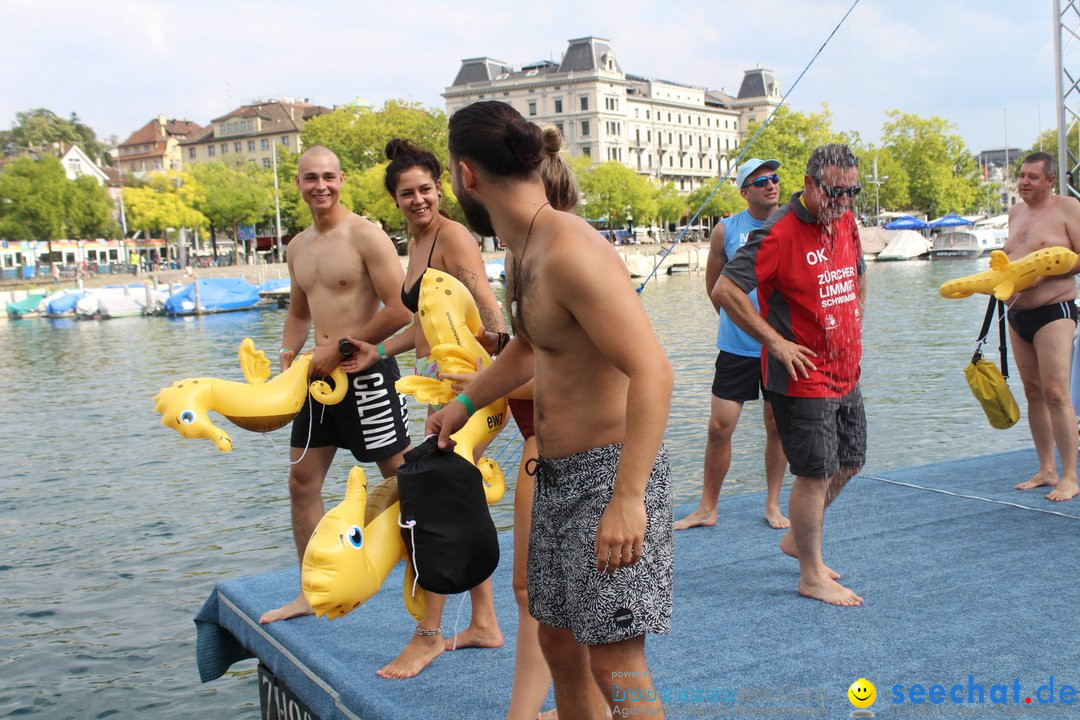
(414, 180)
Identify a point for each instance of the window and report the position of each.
(558, 105)
(264, 143)
(285, 140)
(238, 146)
(586, 151)
(191, 153)
(584, 102)
(266, 162)
(532, 107)
(251, 146)
(224, 148)
(559, 127)
(210, 151)
(584, 127)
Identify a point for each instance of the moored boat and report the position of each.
(971, 243)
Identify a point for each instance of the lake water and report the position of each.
(113, 529)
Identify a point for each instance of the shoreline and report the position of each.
(695, 252)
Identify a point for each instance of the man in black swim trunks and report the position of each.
(1042, 321)
(342, 268)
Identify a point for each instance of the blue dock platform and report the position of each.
(970, 589)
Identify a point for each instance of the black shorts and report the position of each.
(1028, 322)
(821, 435)
(737, 377)
(371, 421)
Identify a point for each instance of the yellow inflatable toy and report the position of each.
(450, 321)
(353, 549)
(1005, 278)
(256, 405)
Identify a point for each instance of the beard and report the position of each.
(476, 215)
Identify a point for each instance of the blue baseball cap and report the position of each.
(750, 167)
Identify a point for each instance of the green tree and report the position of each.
(671, 205)
(89, 210)
(790, 138)
(941, 171)
(231, 195)
(724, 202)
(359, 135)
(33, 200)
(613, 191)
(40, 126)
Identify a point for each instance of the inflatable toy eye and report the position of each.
(356, 537)
(187, 417)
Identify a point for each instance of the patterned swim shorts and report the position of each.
(565, 588)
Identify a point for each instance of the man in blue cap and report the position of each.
(738, 362)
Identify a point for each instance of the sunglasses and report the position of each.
(764, 180)
(836, 191)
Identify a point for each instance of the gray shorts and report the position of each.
(821, 435)
(565, 588)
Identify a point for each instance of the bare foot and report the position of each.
(296, 608)
(828, 591)
(552, 714)
(474, 637)
(787, 546)
(1066, 490)
(416, 656)
(698, 518)
(1039, 479)
(776, 519)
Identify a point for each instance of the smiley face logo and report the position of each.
(862, 693)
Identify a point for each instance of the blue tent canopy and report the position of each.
(950, 220)
(907, 222)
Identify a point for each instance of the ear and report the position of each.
(468, 174)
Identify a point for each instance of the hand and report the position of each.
(459, 381)
(620, 535)
(796, 358)
(446, 422)
(324, 358)
(489, 341)
(365, 356)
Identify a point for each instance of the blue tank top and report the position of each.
(730, 338)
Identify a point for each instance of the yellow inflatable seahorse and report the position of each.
(353, 549)
(1005, 278)
(450, 321)
(256, 405)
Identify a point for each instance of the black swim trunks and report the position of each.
(565, 588)
(372, 421)
(737, 377)
(1028, 322)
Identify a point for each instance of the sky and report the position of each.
(984, 65)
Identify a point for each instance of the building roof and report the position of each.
(277, 116)
(588, 53)
(481, 69)
(161, 128)
(758, 82)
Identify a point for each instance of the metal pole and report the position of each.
(277, 204)
(1063, 156)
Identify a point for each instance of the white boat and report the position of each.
(905, 245)
(873, 240)
(971, 243)
(114, 302)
